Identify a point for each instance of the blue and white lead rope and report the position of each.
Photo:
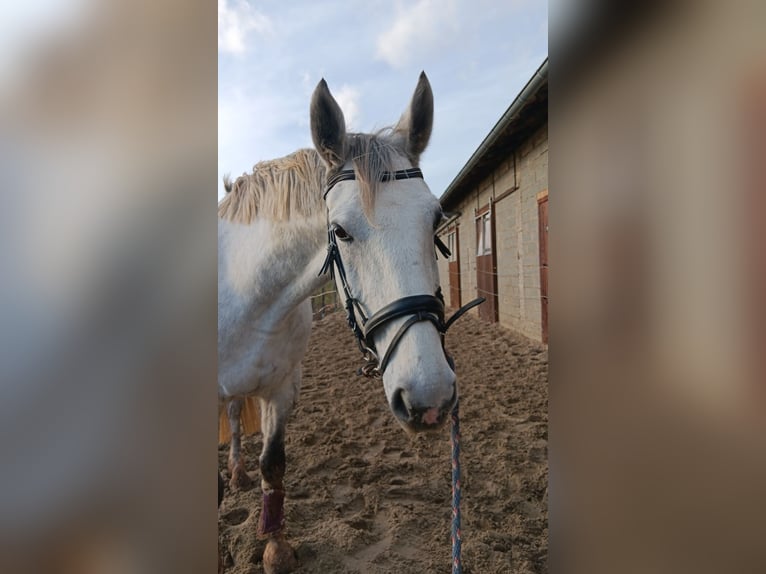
(457, 564)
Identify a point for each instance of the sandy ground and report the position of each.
(364, 497)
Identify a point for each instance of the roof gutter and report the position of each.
(534, 83)
(451, 217)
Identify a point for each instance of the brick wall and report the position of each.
(516, 235)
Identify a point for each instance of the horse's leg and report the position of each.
(278, 557)
(239, 477)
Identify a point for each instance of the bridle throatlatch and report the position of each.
(416, 307)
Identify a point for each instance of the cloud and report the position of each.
(348, 100)
(236, 20)
(257, 123)
(418, 31)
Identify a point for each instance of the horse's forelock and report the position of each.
(372, 155)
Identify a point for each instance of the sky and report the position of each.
(477, 54)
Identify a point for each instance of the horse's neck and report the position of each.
(270, 267)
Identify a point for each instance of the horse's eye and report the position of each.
(341, 234)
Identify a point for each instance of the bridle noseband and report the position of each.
(418, 307)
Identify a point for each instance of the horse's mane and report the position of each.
(278, 189)
(292, 186)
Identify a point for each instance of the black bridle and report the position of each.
(417, 307)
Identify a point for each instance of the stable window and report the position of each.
(484, 234)
(452, 246)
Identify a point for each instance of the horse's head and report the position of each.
(384, 231)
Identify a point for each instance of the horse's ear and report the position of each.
(418, 120)
(328, 128)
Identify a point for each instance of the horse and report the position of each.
(357, 207)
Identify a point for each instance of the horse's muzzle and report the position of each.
(420, 419)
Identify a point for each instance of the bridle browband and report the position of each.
(350, 174)
(417, 307)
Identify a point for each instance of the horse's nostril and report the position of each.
(398, 406)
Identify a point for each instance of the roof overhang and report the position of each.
(525, 115)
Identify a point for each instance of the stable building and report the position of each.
(497, 219)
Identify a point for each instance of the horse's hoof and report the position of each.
(279, 557)
(239, 478)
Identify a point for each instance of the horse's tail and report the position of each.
(250, 417)
(227, 183)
